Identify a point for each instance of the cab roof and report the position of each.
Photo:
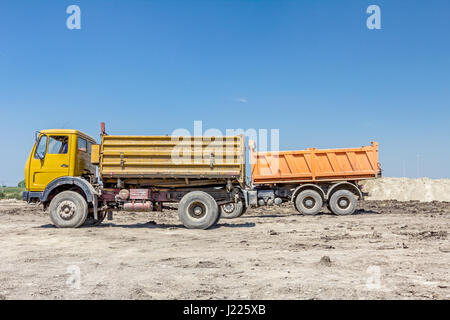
(68, 131)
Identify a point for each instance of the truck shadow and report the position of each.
(153, 225)
(362, 211)
(357, 212)
(270, 216)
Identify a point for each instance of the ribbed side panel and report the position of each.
(315, 165)
(164, 156)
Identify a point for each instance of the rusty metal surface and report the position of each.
(172, 161)
(313, 165)
(139, 194)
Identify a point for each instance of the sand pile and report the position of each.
(405, 189)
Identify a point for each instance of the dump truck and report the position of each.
(79, 181)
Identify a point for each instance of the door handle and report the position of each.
(64, 166)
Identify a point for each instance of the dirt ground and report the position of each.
(388, 250)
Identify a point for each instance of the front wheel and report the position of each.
(232, 210)
(198, 210)
(68, 209)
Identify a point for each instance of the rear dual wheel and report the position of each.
(232, 210)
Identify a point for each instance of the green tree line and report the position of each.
(12, 192)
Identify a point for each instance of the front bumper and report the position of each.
(31, 196)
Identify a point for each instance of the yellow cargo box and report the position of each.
(170, 161)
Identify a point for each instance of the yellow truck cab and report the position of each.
(59, 160)
(58, 153)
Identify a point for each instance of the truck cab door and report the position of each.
(51, 160)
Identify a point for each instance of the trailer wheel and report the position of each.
(308, 202)
(198, 210)
(329, 208)
(232, 210)
(343, 202)
(68, 209)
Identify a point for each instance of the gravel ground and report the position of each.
(387, 250)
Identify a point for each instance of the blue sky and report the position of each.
(311, 69)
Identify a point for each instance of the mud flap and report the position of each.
(95, 204)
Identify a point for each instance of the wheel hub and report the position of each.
(66, 209)
(228, 208)
(308, 203)
(198, 210)
(343, 203)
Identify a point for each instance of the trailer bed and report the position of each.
(315, 165)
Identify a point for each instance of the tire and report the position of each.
(68, 209)
(91, 221)
(308, 202)
(244, 209)
(343, 202)
(198, 210)
(232, 210)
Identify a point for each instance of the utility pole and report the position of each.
(404, 169)
(418, 165)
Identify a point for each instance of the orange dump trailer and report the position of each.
(313, 178)
(315, 165)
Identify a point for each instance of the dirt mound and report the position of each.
(405, 189)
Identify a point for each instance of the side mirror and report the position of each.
(36, 137)
(41, 147)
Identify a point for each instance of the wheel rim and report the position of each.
(343, 203)
(66, 209)
(197, 210)
(309, 202)
(228, 208)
